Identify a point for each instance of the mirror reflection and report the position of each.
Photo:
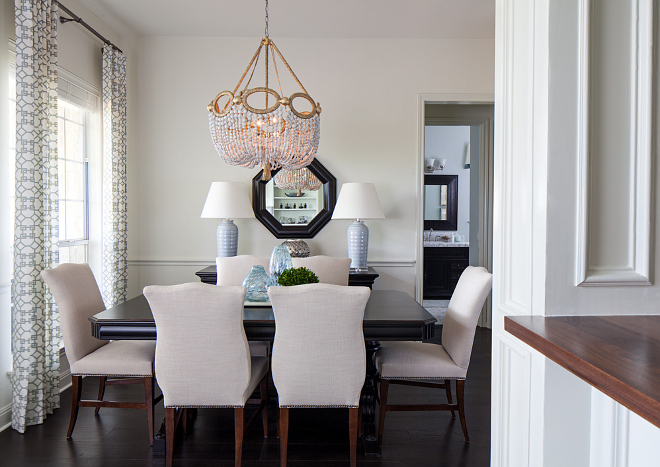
(293, 206)
(435, 202)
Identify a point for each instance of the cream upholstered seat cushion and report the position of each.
(319, 357)
(78, 297)
(118, 358)
(413, 360)
(233, 269)
(329, 270)
(202, 356)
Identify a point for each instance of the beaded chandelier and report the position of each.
(297, 179)
(277, 135)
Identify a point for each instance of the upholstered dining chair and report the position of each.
(78, 297)
(416, 363)
(319, 357)
(231, 270)
(329, 270)
(202, 355)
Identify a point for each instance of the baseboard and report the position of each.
(65, 383)
(5, 417)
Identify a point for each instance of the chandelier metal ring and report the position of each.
(306, 115)
(213, 106)
(272, 92)
(275, 136)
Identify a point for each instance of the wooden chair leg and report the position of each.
(263, 392)
(239, 427)
(460, 389)
(170, 428)
(76, 391)
(284, 434)
(149, 397)
(353, 415)
(384, 386)
(101, 392)
(449, 398)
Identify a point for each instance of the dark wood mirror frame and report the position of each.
(452, 202)
(296, 231)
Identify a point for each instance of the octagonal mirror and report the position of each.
(294, 213)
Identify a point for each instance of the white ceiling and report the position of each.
(438, 19)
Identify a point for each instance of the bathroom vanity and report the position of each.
(443, 264)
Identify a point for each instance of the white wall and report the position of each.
(451, 142)
(368, 91)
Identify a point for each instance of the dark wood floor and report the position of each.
(318, 437)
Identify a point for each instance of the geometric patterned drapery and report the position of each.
(114, 283)
(35, 321)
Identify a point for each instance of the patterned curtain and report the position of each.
(35, 321)
(115, 271)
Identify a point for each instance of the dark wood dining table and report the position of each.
(389, 316)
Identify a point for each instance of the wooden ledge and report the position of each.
(619, 355)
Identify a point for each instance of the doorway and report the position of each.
(456, 144)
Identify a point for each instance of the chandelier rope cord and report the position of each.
(266, 28)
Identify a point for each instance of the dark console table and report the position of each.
(355, 278)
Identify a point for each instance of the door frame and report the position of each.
(485, 183)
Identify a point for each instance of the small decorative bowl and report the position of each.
(294, 194)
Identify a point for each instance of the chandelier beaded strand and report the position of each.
(273, 137)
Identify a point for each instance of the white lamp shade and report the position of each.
(358, 201)
(227, 200)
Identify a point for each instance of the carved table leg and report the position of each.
(368, 401)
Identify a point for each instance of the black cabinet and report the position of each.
(442, 268)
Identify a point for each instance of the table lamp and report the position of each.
(227, 200)
(358, 201)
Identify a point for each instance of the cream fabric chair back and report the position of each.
(233, 269)
(466, 302)
(78, 297)
(202, 356)
(329, 270)
(319, 357)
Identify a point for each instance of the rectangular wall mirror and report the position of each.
(441, 202)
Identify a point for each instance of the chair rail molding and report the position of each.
(202, 263)
(592, 150)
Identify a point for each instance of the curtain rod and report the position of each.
(77, 19)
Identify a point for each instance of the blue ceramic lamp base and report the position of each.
(227, 239)
(358, 245)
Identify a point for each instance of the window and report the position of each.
(73, 181)
(78, 142)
